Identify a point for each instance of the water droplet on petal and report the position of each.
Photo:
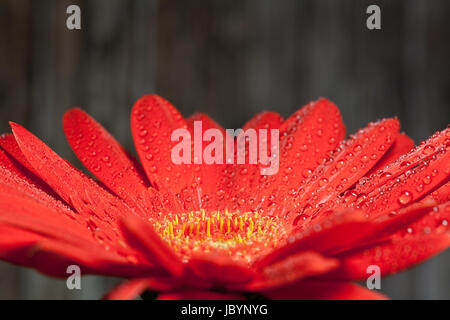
(427, 180)
(428, 149)
(405, 197)
(357, 147)
(323, 181)
(143, 133)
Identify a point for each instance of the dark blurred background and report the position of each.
(230, 59)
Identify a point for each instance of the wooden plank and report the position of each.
(14, 49)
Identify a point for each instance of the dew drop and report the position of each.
(427, 180)
(404, 164)
(323, 182)
(307, 173)
(288, 170)
(365, 159)
(386, 175)
(428, 149)
(340, 164)
(143, 133)
(405, 197)
(357, 148)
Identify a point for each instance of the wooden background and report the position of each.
(230, 59)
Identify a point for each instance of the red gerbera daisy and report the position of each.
(210, 231)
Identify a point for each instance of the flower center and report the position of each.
(240, 235)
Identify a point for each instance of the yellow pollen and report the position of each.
(208, 227)
(241, 235)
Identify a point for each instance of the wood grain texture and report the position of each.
(230, 59)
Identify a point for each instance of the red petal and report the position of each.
(9, 144)
(344, 230)
(435, 220)
(243, 177)
(219, 270)
(15, 175)
(131, 289)
(199, 295)
(404, 163)
(82, 193)
(39, 237)
(323, 290)
(153, 120)
(13, 159)
(402, 145)
(9, 163)
(10, 183)
(390, 257)
(26, 213)
(306, 140)
(339, 230)
(412, 244)
(353, 159)
(25, 207)
(158, 204)
(264, 120)
(296, 267)
(140, 235)
(440, 195)
(408, 179)
(12, 240)
(207, 176)
(103, 155)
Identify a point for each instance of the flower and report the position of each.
(335, 207)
